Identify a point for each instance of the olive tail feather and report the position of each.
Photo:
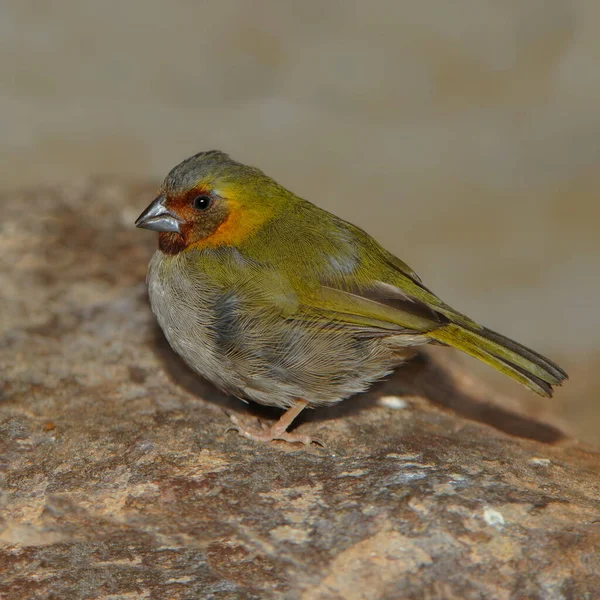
(507, 356)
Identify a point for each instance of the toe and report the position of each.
(300, 439)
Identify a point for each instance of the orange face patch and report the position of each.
(239, 224)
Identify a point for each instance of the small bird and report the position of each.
(278, 301)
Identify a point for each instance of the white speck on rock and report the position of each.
(404, 456)
(540, 462)
(405, 477)
(493, 517)
(393, 402)
(355, 473)
(285, 533)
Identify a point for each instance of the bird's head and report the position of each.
(210, 200)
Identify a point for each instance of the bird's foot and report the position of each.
(277, 431)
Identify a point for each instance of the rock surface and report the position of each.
(119, 481)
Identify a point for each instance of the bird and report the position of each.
(278, 301)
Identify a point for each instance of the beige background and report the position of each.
(465, 135)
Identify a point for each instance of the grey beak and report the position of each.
(158, 218)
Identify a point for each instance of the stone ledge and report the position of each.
(120, 483)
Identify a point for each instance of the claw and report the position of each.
(231, 428)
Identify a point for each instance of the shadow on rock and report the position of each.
(447, 384)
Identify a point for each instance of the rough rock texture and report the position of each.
(119, 481)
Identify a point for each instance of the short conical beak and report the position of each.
(158, 218)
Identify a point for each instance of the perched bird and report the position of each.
(278, 301)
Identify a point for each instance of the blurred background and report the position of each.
(464, 135)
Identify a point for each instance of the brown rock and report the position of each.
(120, 483)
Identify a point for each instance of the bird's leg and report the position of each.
(277, 431)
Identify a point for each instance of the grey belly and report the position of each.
(260, 355)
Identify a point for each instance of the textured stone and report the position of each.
(119, 481)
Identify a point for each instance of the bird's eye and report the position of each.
(202, 202)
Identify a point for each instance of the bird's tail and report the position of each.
(507, 356)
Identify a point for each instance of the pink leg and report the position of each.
(277, 431)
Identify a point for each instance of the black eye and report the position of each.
(202, 202)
